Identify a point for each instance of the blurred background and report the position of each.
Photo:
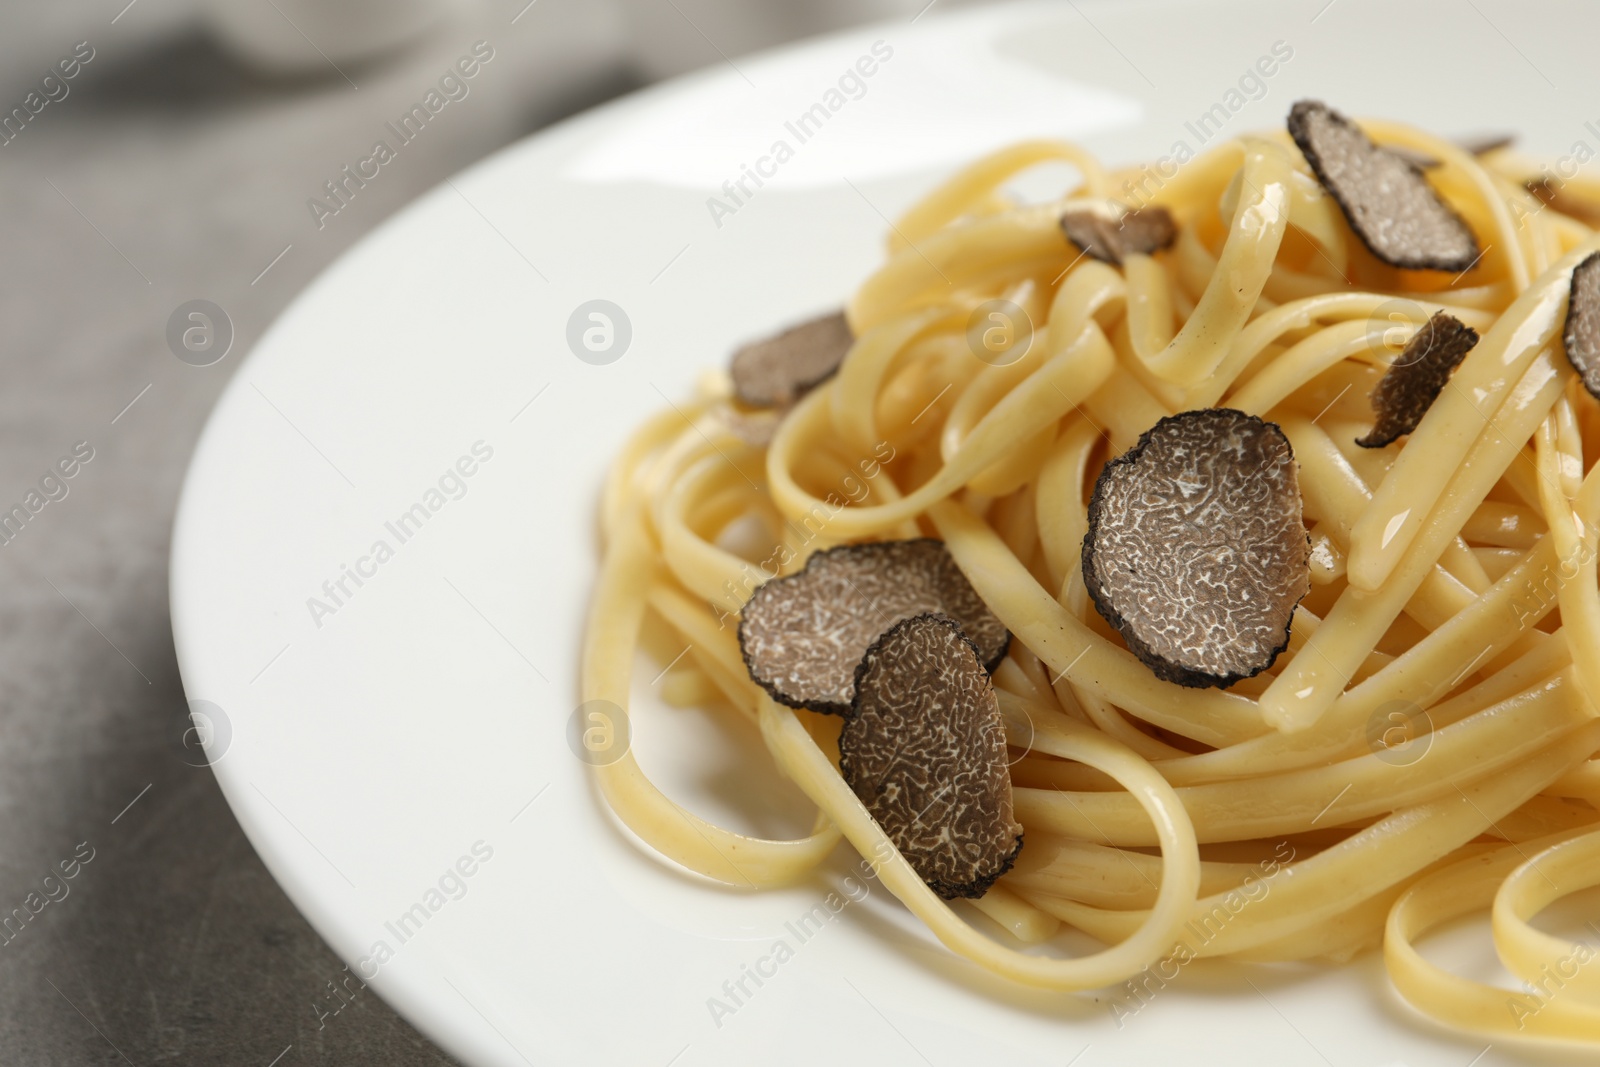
(153, 153)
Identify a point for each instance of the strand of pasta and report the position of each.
(797, 754)
(957, 195)
(1235, 286)
(1040, 401)
(984, 252)
(1301, 314)
(675, 832)
(1534, 955)
(861, 377)
(1572, 512)
(1305, 893)
(1466, 886)
(1484, 743)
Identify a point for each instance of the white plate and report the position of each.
(367, 750)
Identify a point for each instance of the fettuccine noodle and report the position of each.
(1422, 749)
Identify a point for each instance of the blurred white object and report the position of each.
(672, 36)
(289, 36)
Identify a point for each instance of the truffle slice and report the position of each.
(1412, 382)
(777, 371)
(1582, 333)
(1113, 233)
(1385, 198)
(925, 751)
(1197, 552)
(1480, 144)
(803, 636)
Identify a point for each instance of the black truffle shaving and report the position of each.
(1111, 235)
(803, 636)
(1384, 196)
(1411, 384)
(1481, 144)
(1197, 551)
(1475, 145)
(925, 751)
(777, 371)
(1582, 333)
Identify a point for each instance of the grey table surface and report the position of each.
(167, 173)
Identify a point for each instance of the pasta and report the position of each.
(1423, 747)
